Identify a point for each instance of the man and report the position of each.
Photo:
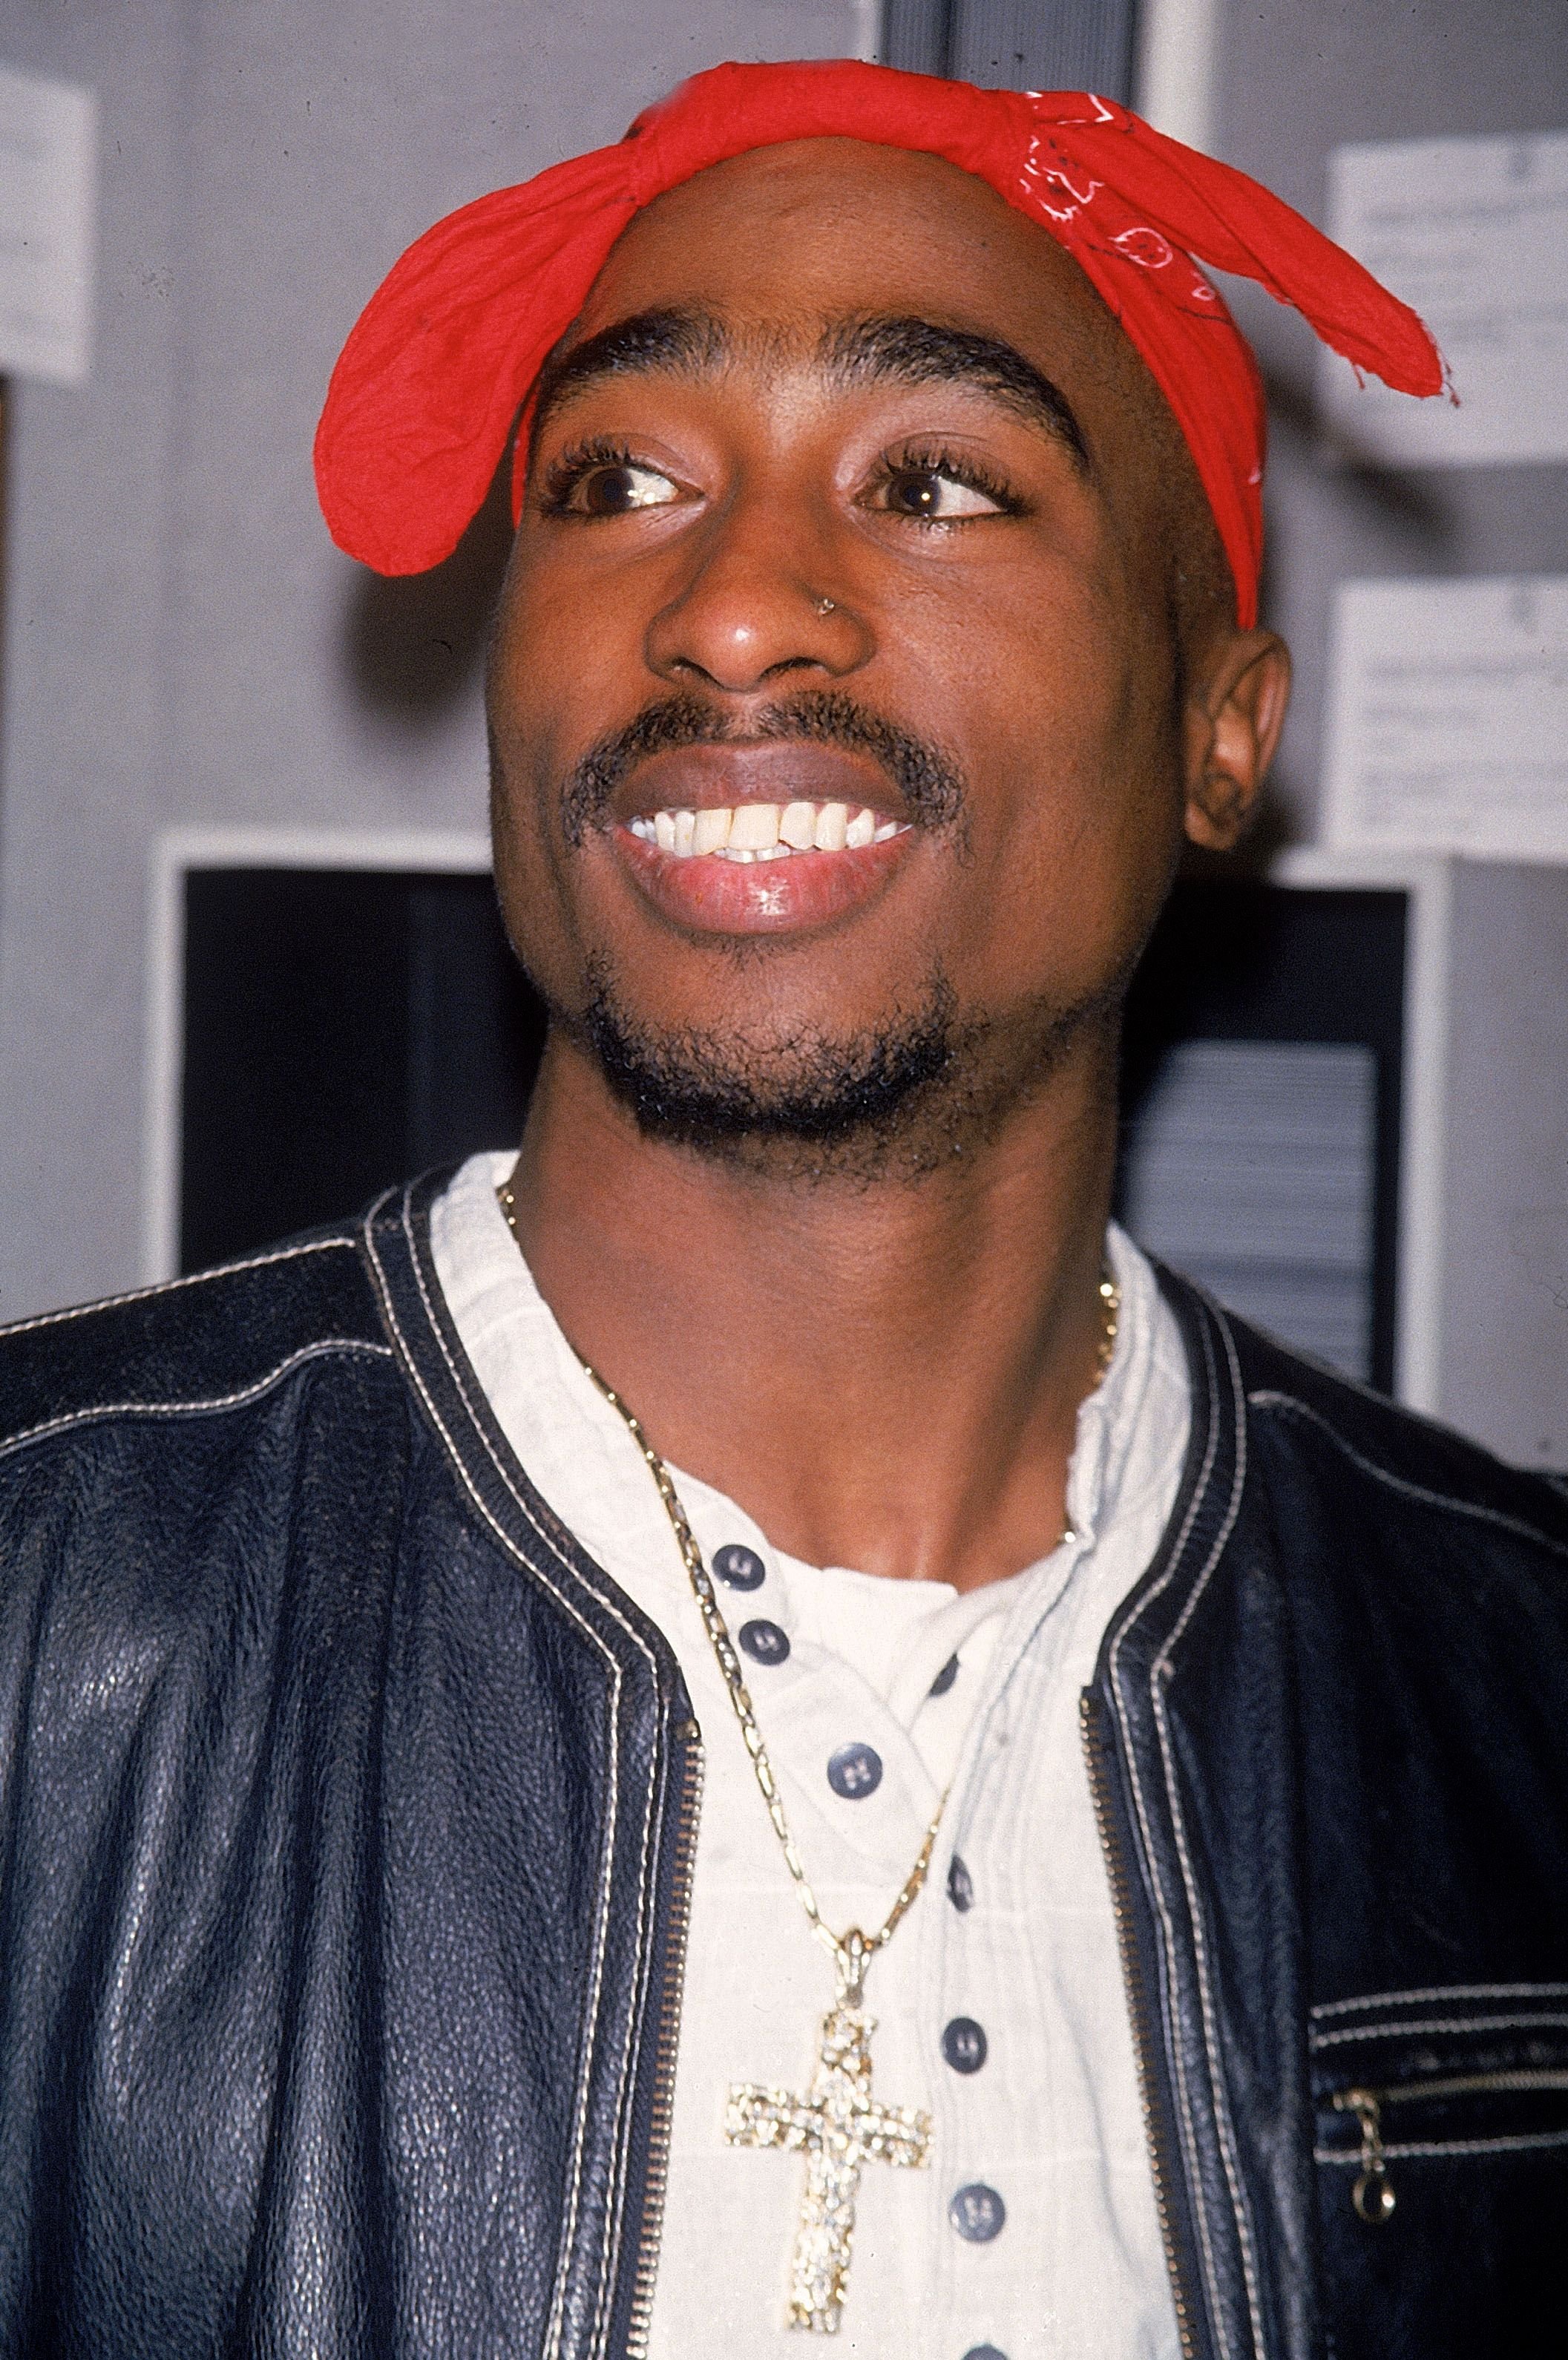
(1126, 1912)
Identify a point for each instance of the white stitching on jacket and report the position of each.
(324, 1348)
(623, 2094)
(1439, 1994)
(1183, 2111)
(171, 1286)
(1271, 1399)
(1159, 1680)
(538, 1573)
(1434, 2024)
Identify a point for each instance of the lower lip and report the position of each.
(760, 897)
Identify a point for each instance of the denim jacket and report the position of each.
(347, 1813)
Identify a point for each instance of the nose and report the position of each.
(757, 603)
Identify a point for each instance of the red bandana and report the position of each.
(430, 385)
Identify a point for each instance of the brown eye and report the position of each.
(616, 491)
(936, 498)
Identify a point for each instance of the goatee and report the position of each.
(854, 1106)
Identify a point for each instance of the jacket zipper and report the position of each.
(668, 2041)
(1373, 2193)
(1143, 2036)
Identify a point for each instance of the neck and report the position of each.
(884, 1376)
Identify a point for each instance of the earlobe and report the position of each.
(1232, 725)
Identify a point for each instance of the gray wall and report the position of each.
(1505, 1375)
(1295, 79)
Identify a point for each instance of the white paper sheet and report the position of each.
(47, 158)
(1474, 233)
(1448, 717)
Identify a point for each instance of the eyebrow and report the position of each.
(903, 349)
(899, 348)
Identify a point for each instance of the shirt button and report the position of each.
(855, 1771)
(764, 1641)
(963, 2044)
(960, 1886)
(945, 1677)
(984, 2351)
(738, 1565)
(976, 2212)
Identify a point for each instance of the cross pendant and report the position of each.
(840, 2126)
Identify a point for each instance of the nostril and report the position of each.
(738, 683)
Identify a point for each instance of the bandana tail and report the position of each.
(1231, 222)
(1138, 212)
(427, 388)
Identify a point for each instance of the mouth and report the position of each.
(707, 842)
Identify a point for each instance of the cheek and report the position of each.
(565, 634)
(531, 690)
(1076, 805)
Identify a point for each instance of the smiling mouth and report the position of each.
(758, 831)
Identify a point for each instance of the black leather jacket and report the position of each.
(349, 1812)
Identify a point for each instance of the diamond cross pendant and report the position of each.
(840, 2126)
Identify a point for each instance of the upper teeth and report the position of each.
(763, 831)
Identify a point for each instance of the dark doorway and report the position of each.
(344, 1028)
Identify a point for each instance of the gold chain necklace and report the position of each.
(838, 2124)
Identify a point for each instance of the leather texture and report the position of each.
(341, 1813)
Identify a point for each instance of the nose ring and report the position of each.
(826, 605)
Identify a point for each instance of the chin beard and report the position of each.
(848, 1102)
(901, 1102)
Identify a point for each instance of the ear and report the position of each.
(1234, 713)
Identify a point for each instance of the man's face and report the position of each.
(850, 514)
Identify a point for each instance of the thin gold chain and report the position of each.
(853, 1950)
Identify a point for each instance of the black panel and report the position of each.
(1015, 44)
(343, 1029)
(1251, 962)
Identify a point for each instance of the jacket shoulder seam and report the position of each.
(172, 1286)
(201, 1404)
(1294, 1406)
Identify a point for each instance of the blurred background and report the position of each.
(249, 966)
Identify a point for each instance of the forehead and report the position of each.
(797, 236)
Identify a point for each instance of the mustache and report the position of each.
(928, 780)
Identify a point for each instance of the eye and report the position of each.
(935, 496)
(931, 485)
(601, 478)
(619, 486)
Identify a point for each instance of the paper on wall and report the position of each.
(1448, 717)
(48, 159)
(1474, 233)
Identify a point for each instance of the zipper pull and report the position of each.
(1373, 2195)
